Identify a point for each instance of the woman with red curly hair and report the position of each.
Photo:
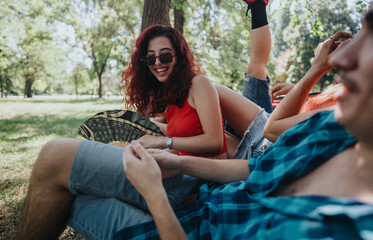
(162, 77)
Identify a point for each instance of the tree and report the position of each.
(155, 12)
(219, 34)
(278, 24)
(6, 84)
(6, 64)
(98, 28)
(25, 36)
(79, 76)
(6, 53)
(35, 58)
(179, 7)
(311, 24)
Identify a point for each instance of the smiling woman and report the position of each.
(163, 78)
(160, 66)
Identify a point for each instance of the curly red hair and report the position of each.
(143, 91)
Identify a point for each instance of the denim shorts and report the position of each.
(106, 201)
(257, 91)
(253, 142)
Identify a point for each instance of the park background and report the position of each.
(61, 60)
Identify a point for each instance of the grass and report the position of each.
(25, 126)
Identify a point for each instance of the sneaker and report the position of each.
(250, 3)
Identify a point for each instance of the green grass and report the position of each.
(25, 126)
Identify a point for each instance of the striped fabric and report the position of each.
(243, 210)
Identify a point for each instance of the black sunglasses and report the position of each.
(163, 58)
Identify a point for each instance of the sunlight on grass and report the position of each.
(25, 126)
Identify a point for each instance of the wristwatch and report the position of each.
(169, 142)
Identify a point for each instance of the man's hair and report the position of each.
(143, 91)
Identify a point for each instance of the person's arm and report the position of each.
(286, 113)
(222, 171)
(144, 173)
(161, 123)
(206, 102)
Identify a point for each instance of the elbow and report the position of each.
(269, 134)
(217, 145)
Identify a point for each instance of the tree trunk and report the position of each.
(28, 88)
(155, 12)
(2, 87)
(76, 83)
(179, 19)
(100, 85)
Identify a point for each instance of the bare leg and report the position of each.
(256, 84)
(259, 53)
(260, 40)
(232, 144)
(236, 109)
(48, 200)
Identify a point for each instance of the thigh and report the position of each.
(236, 109)
(253, 141)
(101, 218)
(98, 171)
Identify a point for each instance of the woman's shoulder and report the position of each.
(201, 86)
(200, 80)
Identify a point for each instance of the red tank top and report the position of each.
(184, 122)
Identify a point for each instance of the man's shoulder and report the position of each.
(321, 121)
(298, 151)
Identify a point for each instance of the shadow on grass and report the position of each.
(20, 129)
(12, 183)
(9, 218)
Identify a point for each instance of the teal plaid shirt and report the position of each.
(243, 210)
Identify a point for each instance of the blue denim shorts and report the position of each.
(253, 142)
(257, 90)
(106, 201)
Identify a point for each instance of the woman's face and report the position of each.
(161, 49)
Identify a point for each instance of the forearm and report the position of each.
(136, 161)
(283, 117)
(165, 219)
(222, 171)
(294, 100)
(200, 143)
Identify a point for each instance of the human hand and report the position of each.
(161, 123)
(169, 163)
(149, 141)
(280, 89)
(324, 49)
(157, 119)
(141, 169)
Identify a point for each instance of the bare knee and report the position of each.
(256, 70)
(54, 161)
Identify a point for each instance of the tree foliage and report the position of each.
(98, 26)
(310, 23)
(82, 46)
